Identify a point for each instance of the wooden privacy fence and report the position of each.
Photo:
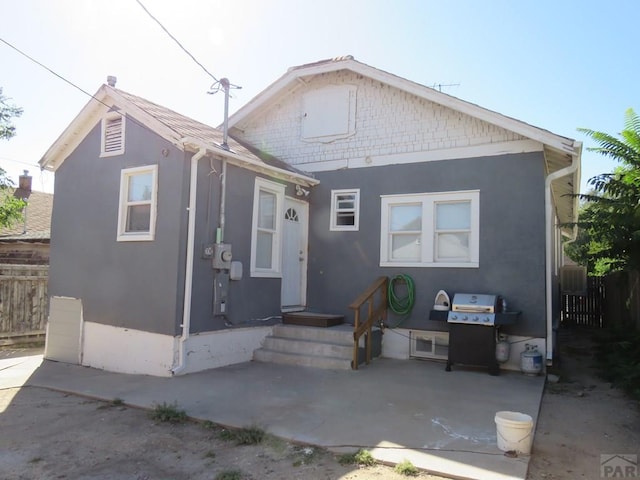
(586, 309)
(608, 301)
(23, 300)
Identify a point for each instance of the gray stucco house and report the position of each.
(172, 254)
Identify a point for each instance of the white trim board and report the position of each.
(458, 153)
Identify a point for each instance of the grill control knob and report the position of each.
(465, 318)
(475, 319)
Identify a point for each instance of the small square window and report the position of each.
(138, 202)
(345, 210)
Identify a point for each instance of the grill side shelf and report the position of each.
(507, 318)
(438, 315)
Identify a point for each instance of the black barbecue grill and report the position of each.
(473, 320)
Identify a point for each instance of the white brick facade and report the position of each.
(389, 122)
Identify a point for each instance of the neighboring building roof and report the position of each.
(183, 132)
(559, 151)
(37, 226)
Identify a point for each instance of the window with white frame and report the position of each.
(345, 210)
(430, 230)
(138, 203)
(112, 140)
(266, 231)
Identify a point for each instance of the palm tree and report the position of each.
(611, 211)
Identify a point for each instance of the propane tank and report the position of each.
(531, 360)
(503, 349)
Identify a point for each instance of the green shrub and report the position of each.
(406, 468)
(361, 457)
(618, 354)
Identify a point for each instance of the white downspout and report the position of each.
(548, 208)
(188, 279)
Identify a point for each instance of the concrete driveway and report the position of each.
(398, 409)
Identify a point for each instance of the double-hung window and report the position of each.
(345, 210)
(266, 232)
(430, 230)
(138, 203)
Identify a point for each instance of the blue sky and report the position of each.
(558, 65)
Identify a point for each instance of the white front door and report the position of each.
(294, 255)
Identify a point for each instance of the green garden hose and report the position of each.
(401, 305)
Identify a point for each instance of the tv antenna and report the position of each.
(440, 85)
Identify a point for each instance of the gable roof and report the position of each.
(559, 151)
(38, 220)
(183, 132)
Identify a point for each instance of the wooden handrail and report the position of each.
(375, 313)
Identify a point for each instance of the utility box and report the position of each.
(222, 256)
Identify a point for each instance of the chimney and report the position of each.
(24, 186)
(111, 81)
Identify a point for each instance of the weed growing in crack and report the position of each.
(170, 413)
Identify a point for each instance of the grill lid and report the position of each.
(474, 302)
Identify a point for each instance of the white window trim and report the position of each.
(105, 119)
(428, 201)
(123, 235)
(276, 253)
(334, 227)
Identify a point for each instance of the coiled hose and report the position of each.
(401, 305)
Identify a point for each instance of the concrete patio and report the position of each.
(441, 421)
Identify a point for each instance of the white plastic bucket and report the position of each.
(515, 432)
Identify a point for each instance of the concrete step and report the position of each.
(263, 355)
(308, 347)
(341, 334)
(330, 348)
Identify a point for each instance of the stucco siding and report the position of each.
(388, 121)
(136, 285)
(250, 300)
(512, 237)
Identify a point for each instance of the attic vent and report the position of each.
(112, 135)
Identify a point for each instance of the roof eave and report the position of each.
(243, 161)
(73, 135)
